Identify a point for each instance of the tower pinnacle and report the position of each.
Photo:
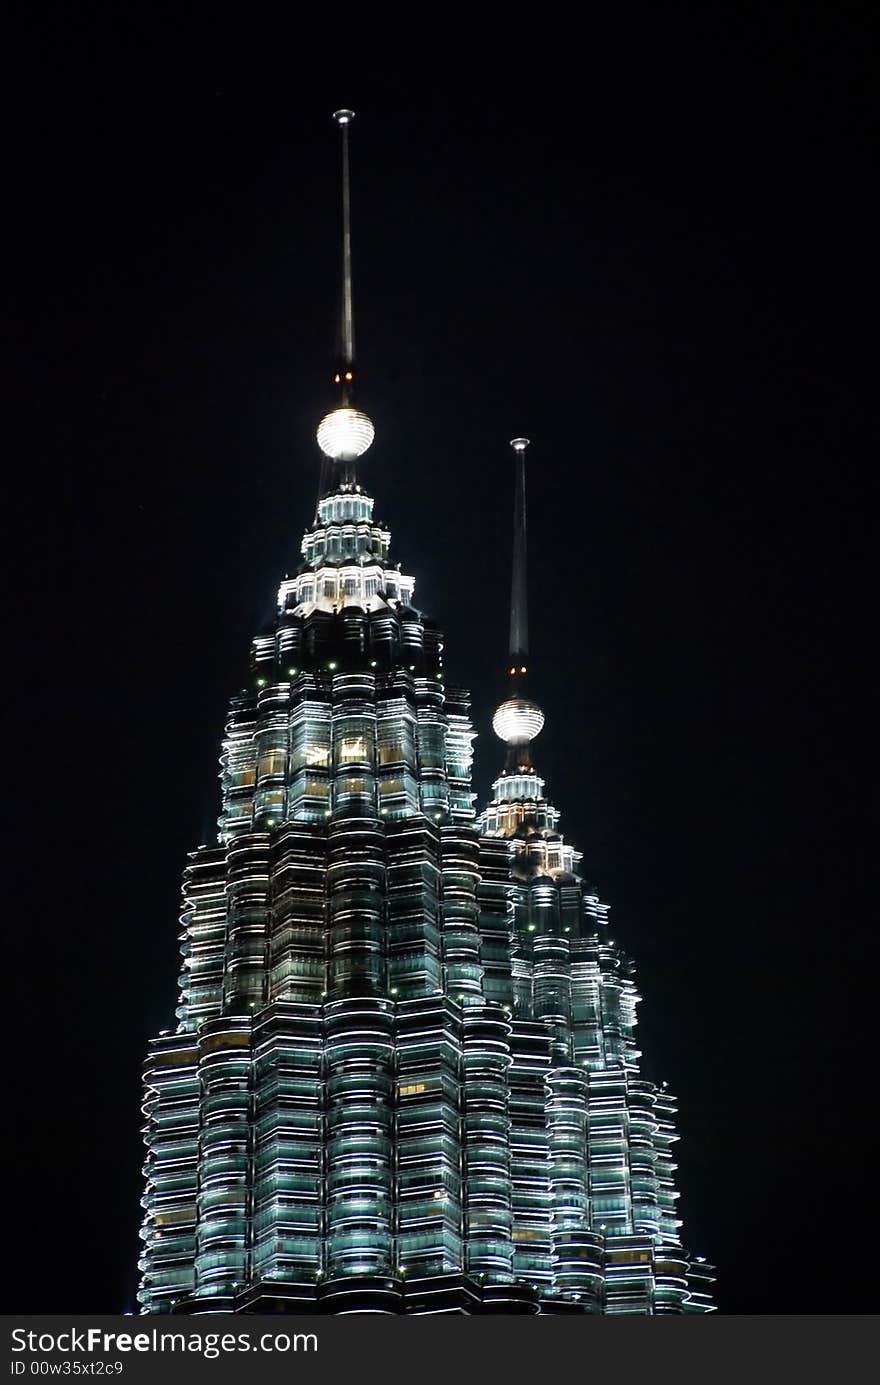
(518, 720)
(345, 433)
(519, 612)
(346, 327)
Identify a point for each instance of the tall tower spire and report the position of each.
(518, 720)
(345, 433)
(345, 371)
(519, 610)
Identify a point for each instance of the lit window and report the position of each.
(242, 778)
(352, 748)
(272, 762)
(356, 786)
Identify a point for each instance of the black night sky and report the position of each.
(639, 247)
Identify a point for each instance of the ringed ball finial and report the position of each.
(518, 721)
(519, 444)
(343, 117)
(345, 433)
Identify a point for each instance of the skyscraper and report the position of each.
(404, 1076)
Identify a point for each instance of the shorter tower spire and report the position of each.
(518, 720)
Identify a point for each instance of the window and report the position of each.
(355, 786)
(241, 778)
(352, 748)
(272, 762)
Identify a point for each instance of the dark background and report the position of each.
(643, 246)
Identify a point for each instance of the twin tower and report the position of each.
(404, 1076)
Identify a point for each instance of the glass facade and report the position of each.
(404, 1074)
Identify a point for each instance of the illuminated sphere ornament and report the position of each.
(518, 721)
(345, 433)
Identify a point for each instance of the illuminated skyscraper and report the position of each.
(591, 1170)
(403, 1077)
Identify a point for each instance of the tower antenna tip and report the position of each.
(343, 117)
(519, 444)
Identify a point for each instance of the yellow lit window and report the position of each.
(352, 748)
(353, 785)
(272, 762)
(181, 1214)
(242, 778)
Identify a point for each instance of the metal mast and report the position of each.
(345, 433)
(345, 368)
(519, 604)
